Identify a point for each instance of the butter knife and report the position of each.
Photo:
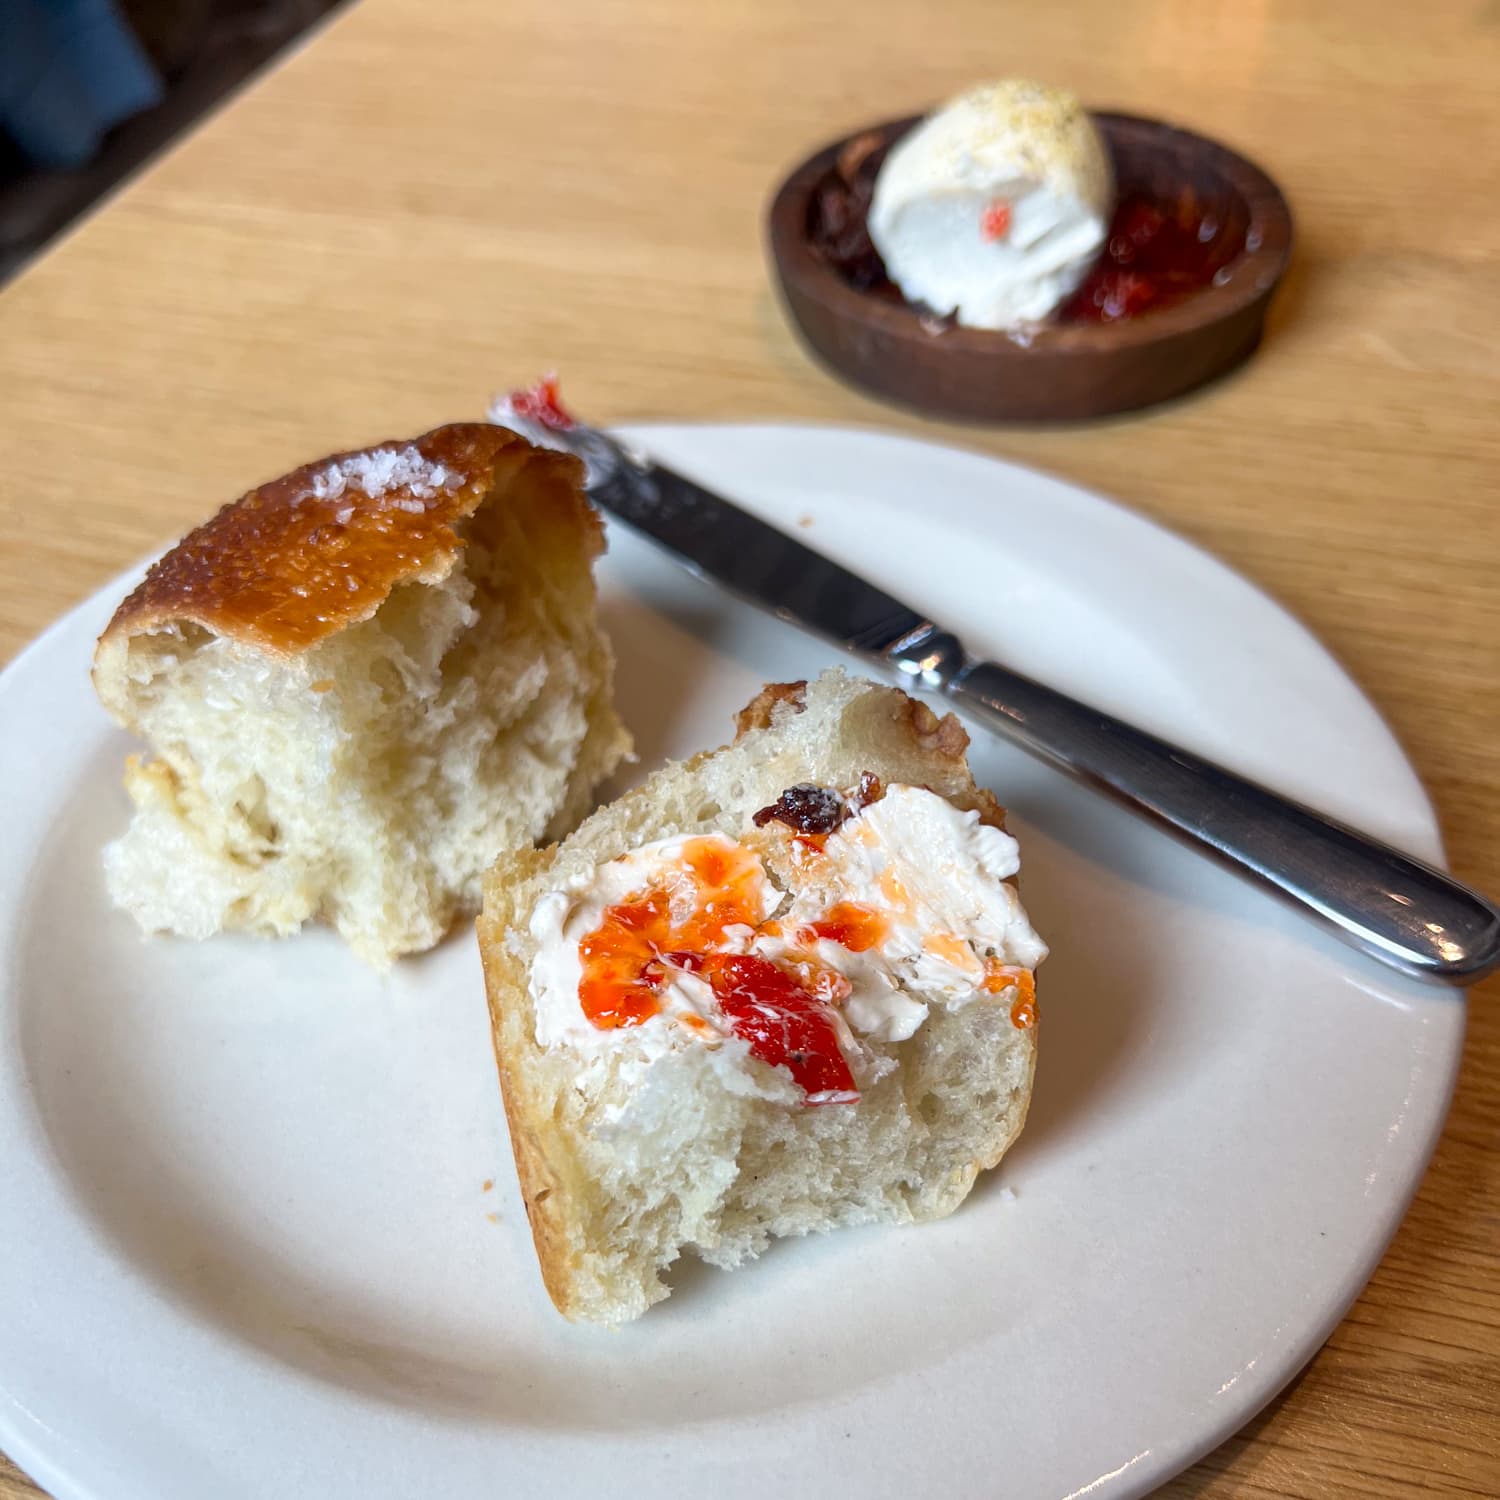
(1397, 909)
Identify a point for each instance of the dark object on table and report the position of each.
(70, 71)
(1199, 240)
(90, 89)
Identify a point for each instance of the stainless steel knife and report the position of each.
(1397, 909)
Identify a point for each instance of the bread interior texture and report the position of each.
(369, 780)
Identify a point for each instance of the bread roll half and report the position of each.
(782, 987)
(358, 684)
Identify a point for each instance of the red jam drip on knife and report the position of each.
(543, 403)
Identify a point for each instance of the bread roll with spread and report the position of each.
(783, 987)
(359, 683)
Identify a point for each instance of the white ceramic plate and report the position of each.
(248, 1250)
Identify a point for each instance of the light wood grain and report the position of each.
(436, 199)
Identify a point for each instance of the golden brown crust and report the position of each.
(539, 1184)
(505, 989)
(945, 739)
(992, 1158)
(758, 712)
(321, 548)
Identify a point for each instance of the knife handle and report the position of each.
(1399, 910)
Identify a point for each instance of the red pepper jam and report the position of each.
(784, 1024)
(627, 958)
(855, 927)
(621, 972)
(1158, 252)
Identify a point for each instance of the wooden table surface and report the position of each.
(433, 199)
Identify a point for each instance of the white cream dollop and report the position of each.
(939, 880)
(935, 879)
(995, 206)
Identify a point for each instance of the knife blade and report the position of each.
(1399, 910)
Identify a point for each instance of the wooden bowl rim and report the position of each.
(1254, 272)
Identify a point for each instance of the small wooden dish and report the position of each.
(1058, 372)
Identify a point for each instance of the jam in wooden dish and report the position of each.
(1165, 241)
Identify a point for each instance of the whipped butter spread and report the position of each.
(994, 208)
(795, 948)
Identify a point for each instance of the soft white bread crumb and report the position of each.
(624, 1169)
(368, 776)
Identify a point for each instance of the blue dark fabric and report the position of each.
(70, 70)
